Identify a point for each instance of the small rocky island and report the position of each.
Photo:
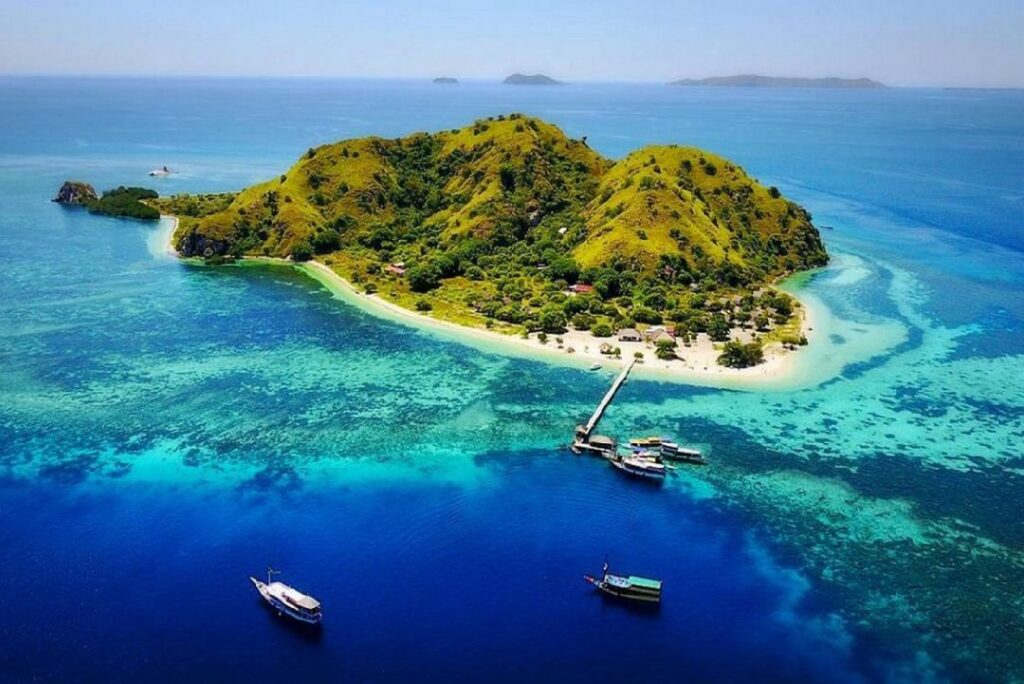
(446, 80)
(530, 79)
(510, 225)
(755, 81)
(76, 193)
(123, 202)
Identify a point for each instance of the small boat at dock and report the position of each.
(595, 367)
(646, 442)
(673, 452)
(289, 601)
(630, 587)
(640, 466)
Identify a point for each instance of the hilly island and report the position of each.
(510, 225)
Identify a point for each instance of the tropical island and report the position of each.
(530, 79)
(755, 81)
(510, 226)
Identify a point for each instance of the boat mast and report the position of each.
(271, 571)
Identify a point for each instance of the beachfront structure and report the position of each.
(605, 348)
(629, 335)
(663, 336)
(397, 268)
(581, 288)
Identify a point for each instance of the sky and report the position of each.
(899, 42)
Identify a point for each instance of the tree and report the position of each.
(601, 329)
(564, 268)
(551, 319)
(638, 355)
(302, 252)
(665, 350)
(739, 355)
(326, 241)
(423, 305)
(718, 328)
(424, 277)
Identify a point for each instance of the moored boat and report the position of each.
(289, 601)
(674, 452)
(639, 466)
(646, 442)
(629, 587)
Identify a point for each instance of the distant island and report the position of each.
(530, 79)
(447, 80)
(121, 201)
(754, 81)
(510, 225)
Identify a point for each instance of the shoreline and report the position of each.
(780, 370)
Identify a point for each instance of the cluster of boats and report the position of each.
(647, 457)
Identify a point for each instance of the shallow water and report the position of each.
(167, 430)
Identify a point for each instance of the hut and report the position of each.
(629, 335)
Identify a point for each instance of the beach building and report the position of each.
(629, 335)
(397, 268)
(581, 288)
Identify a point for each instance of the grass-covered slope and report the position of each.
(493, 221)
(698, 215)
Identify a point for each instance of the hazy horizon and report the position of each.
(942, 43)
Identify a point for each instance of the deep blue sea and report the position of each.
(168, 430)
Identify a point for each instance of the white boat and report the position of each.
(289, 601)
(162, 171)
(673, 451)
(641, 467)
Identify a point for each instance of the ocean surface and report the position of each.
(168, 430)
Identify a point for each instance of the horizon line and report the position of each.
(469, 79)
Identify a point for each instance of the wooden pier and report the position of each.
(584, 432)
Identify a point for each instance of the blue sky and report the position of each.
(902, 42)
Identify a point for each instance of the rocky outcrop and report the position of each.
(75, 192)
(197, 245)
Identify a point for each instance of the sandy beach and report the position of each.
(698, 365)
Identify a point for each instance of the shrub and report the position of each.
(423, 305)
(601, 329)
(302, 252)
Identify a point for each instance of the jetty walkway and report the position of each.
(585, 431)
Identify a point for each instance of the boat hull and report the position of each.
(282, 608)
(634, 594)
(655, 476)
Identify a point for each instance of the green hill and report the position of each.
(492, 222)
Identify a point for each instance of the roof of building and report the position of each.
(628, 332)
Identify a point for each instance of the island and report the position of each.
(123, 202)
(446, 80)
(530, 79)
(755, 81)
(669, 254)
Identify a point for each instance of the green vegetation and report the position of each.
(495, 223)
(126, 203)
(740, 355)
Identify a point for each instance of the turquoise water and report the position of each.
(167, 430)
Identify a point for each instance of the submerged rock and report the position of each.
(75, 192)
